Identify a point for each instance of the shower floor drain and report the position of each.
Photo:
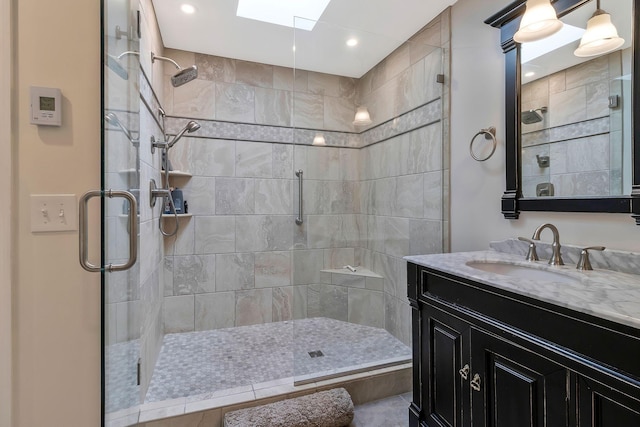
(316, 353)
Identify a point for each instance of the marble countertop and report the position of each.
(607, 294)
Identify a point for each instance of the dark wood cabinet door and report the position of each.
(445, 353)
(604, 406)
(515, 387)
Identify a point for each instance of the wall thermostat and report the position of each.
(46, 106)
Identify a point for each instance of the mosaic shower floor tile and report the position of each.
(198, 363)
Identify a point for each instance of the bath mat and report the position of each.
(330, 408)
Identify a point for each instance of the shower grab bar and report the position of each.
(299, 220)
(84, 225)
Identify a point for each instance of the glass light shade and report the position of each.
(362, 117)
(319, 140)
(539, 21)
(601, 36)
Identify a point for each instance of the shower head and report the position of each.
(184, 75)
(192, 126)
(532, 116)
(113, 119)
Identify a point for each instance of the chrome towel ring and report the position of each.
(489, 133)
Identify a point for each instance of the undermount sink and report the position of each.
(522, 271)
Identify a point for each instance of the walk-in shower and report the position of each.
(243, 300)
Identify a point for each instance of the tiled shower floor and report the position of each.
(196, 363)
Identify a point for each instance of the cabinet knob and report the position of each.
(475, 382)
(464, 372)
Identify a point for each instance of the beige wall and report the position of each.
(476, 188)
(6, 182)
(56, 303)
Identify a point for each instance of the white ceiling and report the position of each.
(379, 25)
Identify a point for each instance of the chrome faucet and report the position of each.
(556, 258)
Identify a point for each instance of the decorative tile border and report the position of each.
(426, 114)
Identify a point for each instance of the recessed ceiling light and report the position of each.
(352, 42)
(188, 9)
(284, 12)
(530, 74)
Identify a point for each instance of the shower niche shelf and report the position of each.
(179, 174)
(128, 171)
(170, 216)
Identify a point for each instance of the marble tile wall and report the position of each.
(247, 92)
(371, 196)
(579, 132)
(241, 259)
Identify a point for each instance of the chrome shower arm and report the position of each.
(128, 52)
(162, 58)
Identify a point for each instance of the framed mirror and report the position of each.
(570, 135)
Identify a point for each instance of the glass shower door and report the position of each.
(372, 191)
(120, 172)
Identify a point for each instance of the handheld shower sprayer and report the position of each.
(192, 126)
(183, 76)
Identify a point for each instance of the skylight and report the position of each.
(533, 50)
(283, 12)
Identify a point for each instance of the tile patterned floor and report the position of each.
(120, 375)
(203, 362)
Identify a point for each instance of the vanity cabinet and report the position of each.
(487, 357)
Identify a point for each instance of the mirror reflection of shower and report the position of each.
(183, 76)
(532, 116)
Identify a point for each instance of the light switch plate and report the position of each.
(53, 212)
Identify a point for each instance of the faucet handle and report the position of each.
(532, 255)
(583, 262)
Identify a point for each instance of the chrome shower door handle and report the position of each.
(84, 225)
(299, 219)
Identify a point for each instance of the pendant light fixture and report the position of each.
(539, 21)
(601, 36)
(362, 117)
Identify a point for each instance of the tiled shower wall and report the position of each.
(241, 259)
(582, 136)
